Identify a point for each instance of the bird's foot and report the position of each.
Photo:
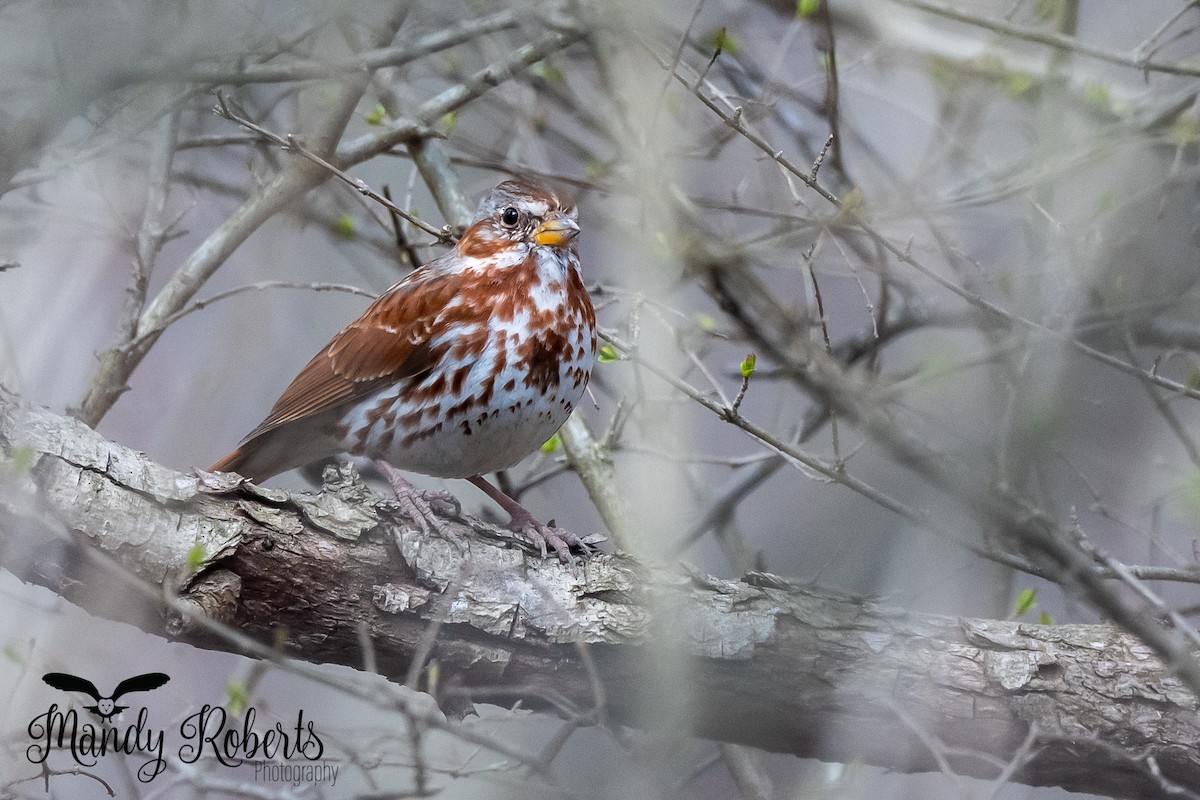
(428, 509)
(559, 540)
(539, 534)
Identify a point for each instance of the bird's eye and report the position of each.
(509, 217)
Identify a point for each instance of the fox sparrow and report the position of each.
(464, 367)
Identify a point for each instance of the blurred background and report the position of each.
(1021, 300)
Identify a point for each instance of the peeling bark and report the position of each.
(758, 662)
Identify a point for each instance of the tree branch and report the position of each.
(1061, 41)
(770, 664)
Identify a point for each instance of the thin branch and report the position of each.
(1024, 753)
(370, 60)
(1149, 44)
(745, 766)
(657, 105)
(152, 231)
(1145, 592)
(455, 97)
(820, 159)
(1164, 409)
(290, 144)
(433, 163)
(592, 462)
(200, 305)
(1056, 40)
(835, 438)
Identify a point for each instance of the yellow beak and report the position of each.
(557, 232)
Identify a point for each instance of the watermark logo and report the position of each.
(209, 731)
(106, 707)
(88, 742)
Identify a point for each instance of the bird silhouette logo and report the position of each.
(106, 707)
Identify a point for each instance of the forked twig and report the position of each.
(292, 145)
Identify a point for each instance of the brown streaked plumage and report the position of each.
(464, 367)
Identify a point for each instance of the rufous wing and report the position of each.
(388, 343)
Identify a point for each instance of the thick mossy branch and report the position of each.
(758, 661)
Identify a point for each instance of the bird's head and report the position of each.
(518, 216)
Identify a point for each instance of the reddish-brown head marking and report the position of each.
(514, 213)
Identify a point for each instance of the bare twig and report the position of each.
(820, 159)
(745, 766)
(368, 61)
(290, 144)
(199, 305)
(455, 97)
(592, 462)
(1150, 44)
(820, 300)
(932, 743)
(1164, 409)
(1056, 40)
(1025, 752)
(433, 163)
(152, 232)
(747, 371)
(675, 56)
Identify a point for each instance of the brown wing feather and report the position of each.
(388, 342)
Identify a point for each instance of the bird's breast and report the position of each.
(510, 367)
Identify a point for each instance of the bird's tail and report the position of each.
(274, 451)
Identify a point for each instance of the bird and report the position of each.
(106, 707)
(464, 367)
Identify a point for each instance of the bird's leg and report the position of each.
(422, 505)
(523, 522)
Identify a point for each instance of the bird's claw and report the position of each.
(559, 540)
(425, 508)
(442, 503)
